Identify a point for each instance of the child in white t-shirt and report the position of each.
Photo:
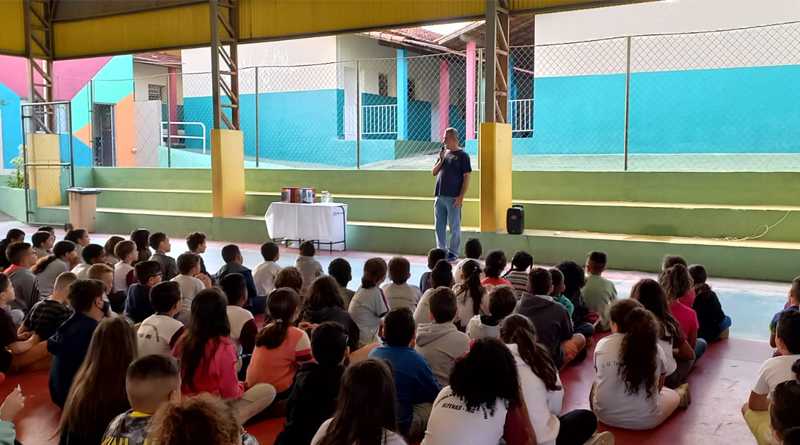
(441, 275)
(369, 303)
(243, 325)
(191, 282)
(158, 333)
(265, 272)
(399, 293)
(472, 251)
(310, 269)
(617, 399)
(502, 302)
(123, 271)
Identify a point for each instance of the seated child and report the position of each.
(441, 275)
(340, 270)
(142, 239)
(399, 293)
(115, 301)
(675, 281)
(81, 239)
(46, 316)
(773, 372)
(159, 332)
(495, 265)
(369, 303)
(71, 341)
(243, 325)
(558, 292)
(551, 319)
(42, 243)
(110, 246)
(415, 383)
(18, 351)
(472, 251)
(13, 404)
(12, 236)
(233, 264)
(518, 274)
(26, 288)
(316, 386)
(151, 381)
(434, 255)
(687, 299)
(439, 341)
(783, 414)
(629, 392)
(502, 302)
(714, 324)
(191, 281)
(265, 272)
(137, 303)
(791, 305)
(91, 254)
(124, 275)
(160, 243)
(309, 268)
(47, 269)
(196, 242)
(324, 304)
(204, 419)
(289, 277)
(471, 295)
(599, 292)
(280, 347)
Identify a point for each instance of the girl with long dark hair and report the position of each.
(676, 282)
(369, 303)
(142, 237)
(324, 303)
(209, 358)
(631, 368)
(495, 265)
(671, 338)
(48, 268)
(280, 347)
(471, 295)
(12, 236)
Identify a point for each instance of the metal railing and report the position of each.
(164, 134)
(520, 114)
(379, 119)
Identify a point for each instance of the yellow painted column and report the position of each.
(227, 173)
(44, 149)
(494, 148)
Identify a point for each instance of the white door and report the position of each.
(350, 103)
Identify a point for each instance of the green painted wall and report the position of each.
(12, 202)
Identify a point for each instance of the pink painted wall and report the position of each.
(70, 75)
(444, 96)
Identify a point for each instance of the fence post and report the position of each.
(169, 127)
(627, 97)
(258, 152)
(358, 114)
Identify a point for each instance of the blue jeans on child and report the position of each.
(445, 214)
(700, 349)
(724, 324)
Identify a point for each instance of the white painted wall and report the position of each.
(757, 47)
(145, 74)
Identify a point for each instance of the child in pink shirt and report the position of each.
(280, 347)
(209, 358)
(676, 281)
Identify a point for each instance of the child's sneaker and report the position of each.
(604, 438)
(685, 394)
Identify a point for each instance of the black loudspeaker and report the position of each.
(515, 220)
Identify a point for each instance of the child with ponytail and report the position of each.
(280, 347)
(541, 386)
(518, 274)
(470, 294)
(631, 367)
(676, 282)
(495, 265)
(369, 303)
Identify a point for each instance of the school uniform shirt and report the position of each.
(278, 366)
(667, 346)
(137, 303)
(465, 305)
(773, 372)
(413, 380)
(264, 276)
(47, 277)
(452, 423)
(129, 428)
(217, 371)
(45, 317)
(551, 320)
(243, 329)
(441, 344)
(389, 437)
(121, 271)
(190, 287)
(69, 346)
(422, 314)
(347, 295)
(169, 268)
(337, 315)
(402, 295)
(518, 280)
(483, 326)
(40, 253)
(112, 260)
(425, 282)
(26, 288)
(599, 292)
(457, 270)
(313, 400)
(8, 335)
(81, 270)
(158, 335)
(309, 269)
(613, 405)
(367, 308)
(544, 406)
(686, 316)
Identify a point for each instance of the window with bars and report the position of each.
(383, 84)
(155, 92)
(412, 89)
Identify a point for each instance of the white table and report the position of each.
(318, 222)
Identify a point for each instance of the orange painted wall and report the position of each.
(126, 132)
(85, 134)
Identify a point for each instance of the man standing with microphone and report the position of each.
(452, 171)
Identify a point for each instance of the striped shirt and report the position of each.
(518, 279)
(46, 317)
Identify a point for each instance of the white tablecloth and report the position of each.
(319, 222)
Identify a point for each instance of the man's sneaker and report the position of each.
(685, 394)
(604, 438)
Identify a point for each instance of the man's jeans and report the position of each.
(445, 213)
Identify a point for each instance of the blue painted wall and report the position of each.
(12, 125)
